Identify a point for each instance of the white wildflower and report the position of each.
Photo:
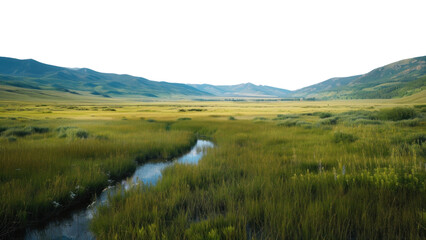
(56, 204)
(72, 195)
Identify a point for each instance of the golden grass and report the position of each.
(270, 176)
(40, 171)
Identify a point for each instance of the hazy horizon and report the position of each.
(283, 45)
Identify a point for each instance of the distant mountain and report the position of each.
(242, 90)
(32, 74)
(26, 79)
(399, 79)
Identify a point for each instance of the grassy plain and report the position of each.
(280, 170)
(50, 164)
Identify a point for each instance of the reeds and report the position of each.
(264, 181)
(44, 173)
(352, 174)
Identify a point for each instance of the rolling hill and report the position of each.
(242, 90)
(27, 79)
(31, 74)
(399, 79)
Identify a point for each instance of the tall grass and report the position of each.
(342, 173)
(44, 173)
(264, 181)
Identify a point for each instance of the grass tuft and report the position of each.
(397, 113)
(344, 137)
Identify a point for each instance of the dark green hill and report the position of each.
(242, 90)
(399, 79)
(35, 75)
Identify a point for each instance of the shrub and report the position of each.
(260, 119)
(344, 137)
(62, 131)
(327, 121)
(325, 115)
(72, 132)
(22, 132)
(183, 119)
(408, 123)
(285, 116)
(38, 129)
(359, 114)
(80, 133)
(17, 132)
(418, 138)
(303, 124)
(288, 123)
(397, 113)
(2, 129)
(231, 118)
(421, 108)
(367, 122)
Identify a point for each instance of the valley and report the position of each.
(278, 170)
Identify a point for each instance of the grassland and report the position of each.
(49, 165)
(280, 170)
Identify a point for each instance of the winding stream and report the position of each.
(77, 225)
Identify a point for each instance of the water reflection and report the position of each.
(77, 225)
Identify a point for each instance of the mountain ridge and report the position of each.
(242, 90)
(30, 73)
(398, 79)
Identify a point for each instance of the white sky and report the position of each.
(286, 44)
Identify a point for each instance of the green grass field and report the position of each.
(280, 170)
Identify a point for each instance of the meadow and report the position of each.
(50, 165)
(279, 170)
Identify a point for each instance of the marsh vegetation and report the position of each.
(43, 173)
(314, 170)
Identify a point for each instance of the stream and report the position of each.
(76, 226)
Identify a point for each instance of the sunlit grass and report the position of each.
(280, 170)
(282, 182)
(42, 174)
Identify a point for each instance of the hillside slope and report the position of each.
(242, 90)
(399, 79)
(30, 77)
(31, 74)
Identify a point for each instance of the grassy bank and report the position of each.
(290, 170)
(316, 175)
(50, 165)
